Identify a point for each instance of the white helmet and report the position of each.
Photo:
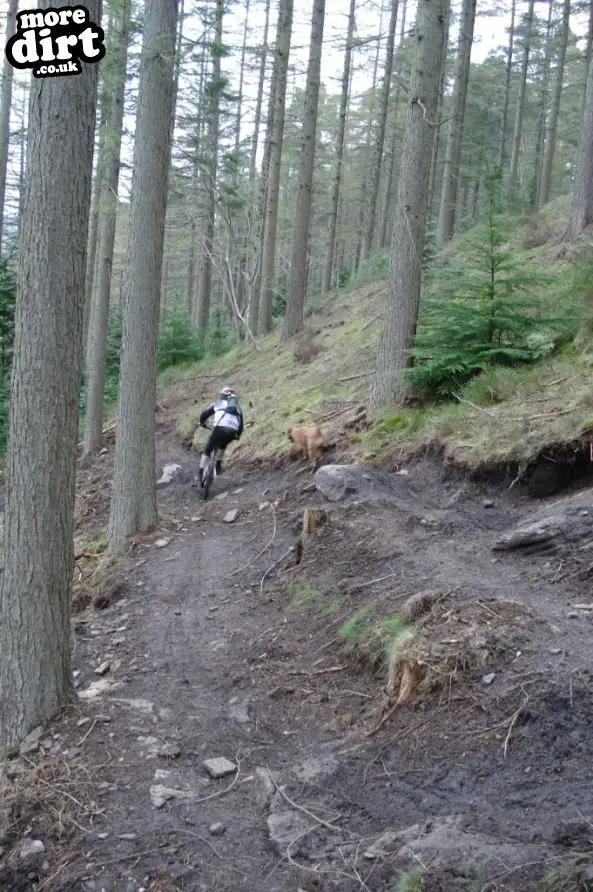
(226, 392)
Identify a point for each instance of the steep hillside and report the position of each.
(506, 418)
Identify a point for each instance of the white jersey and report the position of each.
(222, 418)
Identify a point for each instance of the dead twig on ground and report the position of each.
(273, 567)
(358, 585)
(371, 322)
(264, 549)
(512, 723)
(473, 405)
(305, 810)
(354, 377)
(318, 671)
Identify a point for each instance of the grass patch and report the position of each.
(371, 640)
(410, 881)
(305, 596)
(572, 875)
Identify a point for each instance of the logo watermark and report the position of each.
(54, 42)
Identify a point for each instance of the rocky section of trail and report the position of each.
(228, 736)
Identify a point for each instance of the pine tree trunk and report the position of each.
(196, 231)
(259, 195)
(178, 58)
(99, 318)
(405, 275)
(337, 182)
(436, 139)
(446, 222)
(260, 98)
(518, 130)
(475, 198)
(268, 259)
(368, 150)
(589, 46)
(213, 128)
(91, 254)
(23, 159)
(295, 301)
(133, 502)
(534, 191)
(582, 204)
(550, 146)
(376, 163)
(35, 592)
(504, 115)
(394, 132)
(5, 105)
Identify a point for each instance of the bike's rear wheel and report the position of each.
(210, 473)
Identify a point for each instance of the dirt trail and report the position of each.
(205, 663)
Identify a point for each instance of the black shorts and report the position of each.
(219, 439)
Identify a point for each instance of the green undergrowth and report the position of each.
(410, 881)
(373, 639)
(506, 414)
(306, 596)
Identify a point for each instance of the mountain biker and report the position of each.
(227, 426)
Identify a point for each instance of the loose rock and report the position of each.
(231, 516)
(219, 767)
(169, 472)
(31, 847)
(286, 827)
(216, 829)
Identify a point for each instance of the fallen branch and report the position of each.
(548, 414)
(371, 321)
(264, 549)
(273, 567)
(513, 721)
(305, 811)
(473, 405)
(354, 377)
(358, 585)
(318, 671)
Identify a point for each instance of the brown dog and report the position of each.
(307, 441)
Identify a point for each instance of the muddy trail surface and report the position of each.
(213, 644)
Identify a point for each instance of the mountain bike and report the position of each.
(210, 469)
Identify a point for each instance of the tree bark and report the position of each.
(99, 319)
(23, 159)
(373, 191)
(259, 195)
(446, 222)
(178, 58)
(337, 182)
(213, 129)
(582, 203)
(405, 275)
(268, 260)
(35, 661)
(369, 141)
(93, 228)
(504, 115)
(552, 128)
(5, 105)
(133, 502)
(392, 151)
(295, 302)
(534, 191)
(434, 160)
(518, 130)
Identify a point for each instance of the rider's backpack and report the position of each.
(232, 406)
